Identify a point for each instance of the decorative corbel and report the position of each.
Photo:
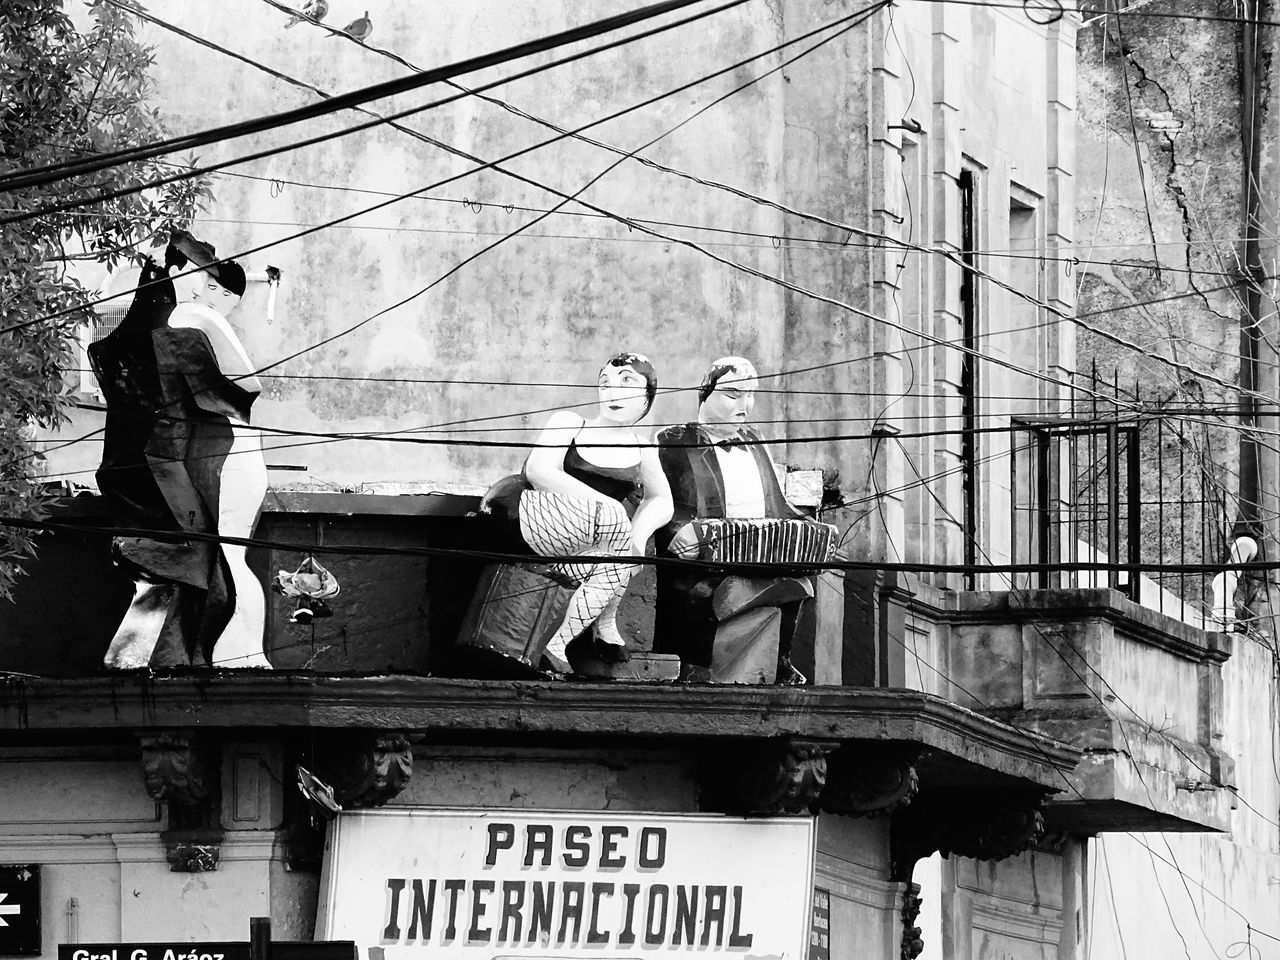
(174, 768)
(912, 939)
(182, 772)
(980, 826)
(870, 779)
(368, 768)
(782, 776)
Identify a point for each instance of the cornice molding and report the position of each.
(639, 713)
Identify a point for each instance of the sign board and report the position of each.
(416, 883)
(820, 934)
(19, 909)
(216, 950)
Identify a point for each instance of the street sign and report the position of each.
(19, 909)
(209, 950)
(213, 950)
(820, 933)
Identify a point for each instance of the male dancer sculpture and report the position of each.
(172, 402)
(718, 469)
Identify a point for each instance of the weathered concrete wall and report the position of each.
(483, 354)
(1161, 136)
(1161, 227)
(85, 817)
(1012, 910)
(524, 328)
(1196, 873)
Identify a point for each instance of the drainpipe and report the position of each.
(1250, 511)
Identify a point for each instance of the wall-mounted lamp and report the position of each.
(909, 124)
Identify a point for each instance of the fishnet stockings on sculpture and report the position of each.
(557, 525)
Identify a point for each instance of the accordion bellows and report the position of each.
(784, 542)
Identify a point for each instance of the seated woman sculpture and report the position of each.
(592, 487)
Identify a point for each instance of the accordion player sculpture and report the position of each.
(734, 624)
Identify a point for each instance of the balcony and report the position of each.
(1137, 692)
(1024, 711)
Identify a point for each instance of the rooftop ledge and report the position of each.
(962, 744)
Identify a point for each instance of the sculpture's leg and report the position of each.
(607, 621)
(605, 584)
(139, 631)
(242, 486)
(563, 526)
(751, 648)
(240, 644)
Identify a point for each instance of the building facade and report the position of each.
(981, 710)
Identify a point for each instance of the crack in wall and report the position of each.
(1166, 141)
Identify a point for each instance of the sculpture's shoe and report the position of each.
(788, 675)
(608, 651)
(556, 667)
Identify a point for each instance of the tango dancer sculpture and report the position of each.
(590, 487)
(730, 508)
(178, 457)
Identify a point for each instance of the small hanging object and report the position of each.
(312, 585)
(317, 792)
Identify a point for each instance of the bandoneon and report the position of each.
(784, 542)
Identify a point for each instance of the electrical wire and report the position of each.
(79, 309)
(198, 171)
(1208, 18)
(51, 173)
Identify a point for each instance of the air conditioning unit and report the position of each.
(103, 318)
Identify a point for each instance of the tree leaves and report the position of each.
(66, 94)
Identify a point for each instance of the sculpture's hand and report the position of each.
(685, 542)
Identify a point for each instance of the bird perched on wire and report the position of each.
(359, 28)
(313, 10)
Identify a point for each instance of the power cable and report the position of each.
(1210, 18)
(50, 173)
(1077, 318)
(511, 156)
(198, 171)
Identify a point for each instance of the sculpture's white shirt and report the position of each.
(227, 349)
(743, 488)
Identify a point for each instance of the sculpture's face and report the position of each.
(188, 286)
(215, 295)
(622, 395)
(730, 404)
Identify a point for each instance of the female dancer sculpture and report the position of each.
(177, 457)
(242, 477)
(593, 487)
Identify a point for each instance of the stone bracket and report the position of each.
(912, 940)
(366, 768)
(175, 768)
(778, 776)
(871, 779)
(981, 826)
(182, 771)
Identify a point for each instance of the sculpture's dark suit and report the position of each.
(166, 437)
(685, 623)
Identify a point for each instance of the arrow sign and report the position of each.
(19, 909)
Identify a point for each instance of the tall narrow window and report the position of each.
(969, 375)
(1029, 452)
